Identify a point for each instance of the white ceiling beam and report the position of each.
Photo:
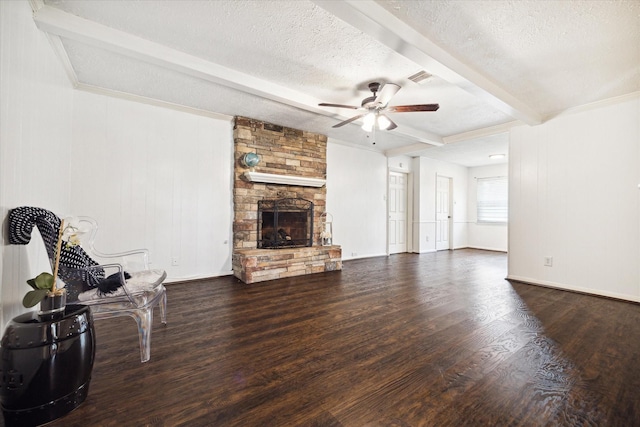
(375, 21)
(59, 23)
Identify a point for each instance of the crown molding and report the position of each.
(594, 105)
(151, 101)
(479, 133)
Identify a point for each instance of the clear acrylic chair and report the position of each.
(84, 270)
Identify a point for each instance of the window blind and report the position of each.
(493, 200)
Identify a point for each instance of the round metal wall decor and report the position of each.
(250, 160)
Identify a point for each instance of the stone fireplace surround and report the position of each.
(283, 152)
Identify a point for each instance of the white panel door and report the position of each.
(397, 212)
(443, 213)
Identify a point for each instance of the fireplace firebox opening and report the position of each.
(285, 223)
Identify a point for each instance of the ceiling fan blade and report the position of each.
(386, 93)
(352, 119)
(324, 104)
(410, 108)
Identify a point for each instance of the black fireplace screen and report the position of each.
(285, 223)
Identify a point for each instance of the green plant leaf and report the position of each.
(44, 281)
(34, 297)
(32, 283)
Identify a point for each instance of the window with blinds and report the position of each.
(493, 198)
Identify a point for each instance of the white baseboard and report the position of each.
(428, 251)
(198, 277)
(565, 287)
(486, 249)
(363, 256)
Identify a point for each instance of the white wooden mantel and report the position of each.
(271, 178)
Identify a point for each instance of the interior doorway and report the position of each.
(398, 212)
(443, 213)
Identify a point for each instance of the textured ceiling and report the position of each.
(553, 54)
(495, 63)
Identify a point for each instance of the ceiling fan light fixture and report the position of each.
(383, 122)
(368, 122)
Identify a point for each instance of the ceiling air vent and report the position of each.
(420, 77)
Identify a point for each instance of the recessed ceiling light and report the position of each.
(497, 156)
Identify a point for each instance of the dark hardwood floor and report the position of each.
(436, 339)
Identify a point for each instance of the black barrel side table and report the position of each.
(46, 365)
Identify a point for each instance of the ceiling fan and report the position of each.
(375, 106)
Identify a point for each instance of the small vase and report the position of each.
(53, 304)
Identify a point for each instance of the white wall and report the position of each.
(424, 203)
(35, 140)
(400, 163)
(356, 197)
(485, 236)
(573, 190)
(155, 178)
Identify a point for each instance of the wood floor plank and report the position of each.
(438, 339)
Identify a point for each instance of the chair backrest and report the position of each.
(123, 258)
(72, 267)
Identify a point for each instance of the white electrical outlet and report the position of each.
(427, 238)
(548, 261)
(354, 253)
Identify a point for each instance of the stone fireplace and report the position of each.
(279, 203)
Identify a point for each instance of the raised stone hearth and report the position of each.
(258, 265)
(293, 165)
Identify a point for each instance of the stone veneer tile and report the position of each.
(247, 268)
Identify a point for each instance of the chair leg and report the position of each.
(144, 319)
(163, 308)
